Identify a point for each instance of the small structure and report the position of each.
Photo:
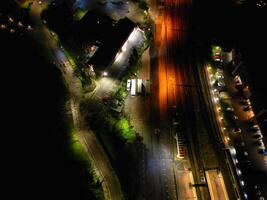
(102, 36)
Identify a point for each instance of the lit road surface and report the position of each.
(175, 84)
(216, 185)
(110, 182)
(105, 87)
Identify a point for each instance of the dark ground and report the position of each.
(36, 161)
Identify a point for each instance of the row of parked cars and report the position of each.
(257, 135)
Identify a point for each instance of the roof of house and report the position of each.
(110, 34)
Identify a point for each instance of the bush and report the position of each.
(125, 131)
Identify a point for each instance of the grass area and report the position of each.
(69, 57)
(76, 148)
(78, 15)
(216, 49)
(121, 92)
(126, 132)
(25, 4)
(79, 68)
(113, 131)
(79, 154)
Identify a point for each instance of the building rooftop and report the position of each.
(109, 35)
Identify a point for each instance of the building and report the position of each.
(106, 34)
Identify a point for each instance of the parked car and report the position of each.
(251, 121)
(261, 147)
(247, 108)
(237, 130)
(259, 142)
(238, 80)
(257, 136)
(245, 102)
(255, 127)
(221, 83)
(263, 151)
(230, 109)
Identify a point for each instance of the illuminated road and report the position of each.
(174, 84)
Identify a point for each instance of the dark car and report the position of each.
(252, 121)
(117, 2)
(257, 136)
(237, 130)
(263, 152)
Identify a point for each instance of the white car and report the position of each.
(221, 83)
(128, 85)
(256, 127)
(230, 109)
(261, 147)
(238, 80)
